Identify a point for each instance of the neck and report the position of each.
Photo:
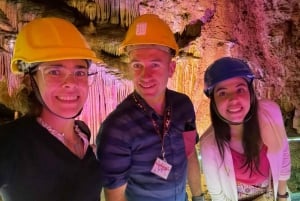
(158, 104)
(65, 126)
(236, 132)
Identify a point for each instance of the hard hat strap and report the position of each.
(37, 93)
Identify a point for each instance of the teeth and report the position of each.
(68, 98)
(234, 109)
(146, 85)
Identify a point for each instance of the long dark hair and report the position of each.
(251, 140)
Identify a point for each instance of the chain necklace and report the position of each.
(78, 148)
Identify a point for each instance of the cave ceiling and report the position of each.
(103, 23)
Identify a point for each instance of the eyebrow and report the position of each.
(152, 60)
(78, 66)
(239, 85)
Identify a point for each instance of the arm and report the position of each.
(282, 189)
(219, 178)
(194, 179)
(114, 158)
(285, 173)
(117, 194)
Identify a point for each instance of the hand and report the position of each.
(281, 199)
(198, 198)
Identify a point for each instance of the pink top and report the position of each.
(243, 174)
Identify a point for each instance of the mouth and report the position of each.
(233, 110)
(146, 85)
(67, 98)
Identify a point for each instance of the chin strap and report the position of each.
(39, 97)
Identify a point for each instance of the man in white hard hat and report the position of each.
(146, 146)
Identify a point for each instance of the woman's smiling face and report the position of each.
(232, 98)
(63, 85)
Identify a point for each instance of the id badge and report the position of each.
(161, 168)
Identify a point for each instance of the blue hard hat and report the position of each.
(223, 69)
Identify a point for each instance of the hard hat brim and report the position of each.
(56, 54)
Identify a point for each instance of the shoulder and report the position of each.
(122, 112)
(265, 104)
(15, 132)
(20, 124)
(208, 137)
(124, 106)
(122, 118)
(181, 102)
(208, 147)
(271, 124)
(268, 109)
(174, 95)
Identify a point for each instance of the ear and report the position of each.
(172, 67)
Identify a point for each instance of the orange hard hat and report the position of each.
(149, 29)
(50, 39)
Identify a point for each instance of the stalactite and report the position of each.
(91, 10)
(72, 3)
(2, 68)
(115, 8)
(81, 4)
(128, 11)
(184, 78)
(10, 11)
(105, 94)
(103, 10)
(13, 81)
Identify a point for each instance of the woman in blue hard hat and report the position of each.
(245, 152)
(45, 155)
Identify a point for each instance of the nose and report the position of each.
(69, 79)
(146, 72)
(232, 96)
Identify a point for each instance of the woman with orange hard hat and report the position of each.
(45, 155)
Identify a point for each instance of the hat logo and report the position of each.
(141, 29)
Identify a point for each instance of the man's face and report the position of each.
(150, 69)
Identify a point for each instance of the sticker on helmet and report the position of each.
(141, 29)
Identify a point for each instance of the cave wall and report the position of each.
(265, 33)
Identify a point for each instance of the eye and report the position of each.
(241, 90)
(155, 64)
(221, 93)
(81, 73)
(53, 71)
(136, 65)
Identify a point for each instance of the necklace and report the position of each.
(76, 148)
(166, 122)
